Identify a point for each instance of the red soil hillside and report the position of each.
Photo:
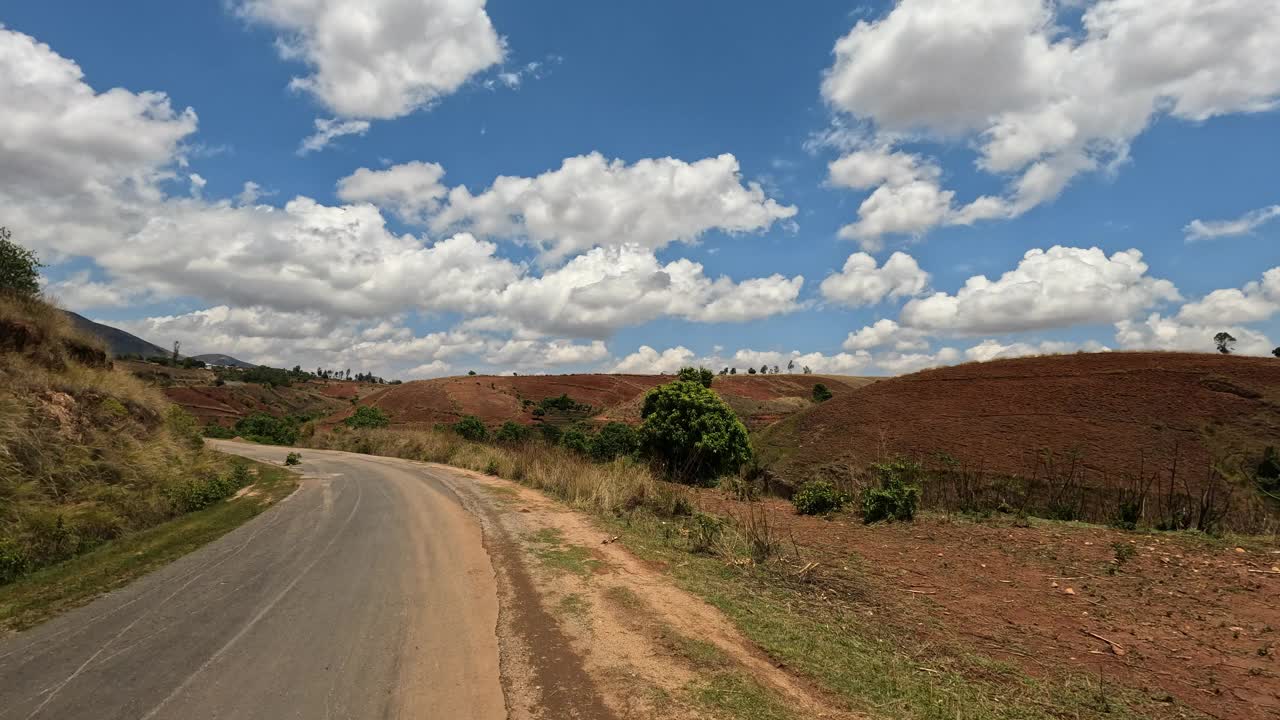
(759, 399)
(1122, 412)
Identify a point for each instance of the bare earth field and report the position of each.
(1182, 617)
(758, 399)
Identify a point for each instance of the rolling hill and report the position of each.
(118, 341)
(758, 399)
(223, 360)
(1112, 417)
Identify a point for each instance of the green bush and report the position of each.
(215, 430)
(576, 440)
(699, 375)
(1269, 471)
(898, 493)
(367, 416)
(819, 497)
(199, 494)
(692, 432)
(471, 428)
(293, 458)
(614, 440)
(512, 433)
(263, 428)
(550, 433)
(821, 393)
(19, 267)
(14, 561)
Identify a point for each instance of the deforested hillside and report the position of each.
(87, 451)
(1088, 428)
(757, 399)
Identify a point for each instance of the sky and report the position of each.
(418, 188)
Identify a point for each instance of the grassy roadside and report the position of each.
(874, 666)
(868, 659)
(45, 593)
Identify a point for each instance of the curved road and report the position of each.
(366, 594)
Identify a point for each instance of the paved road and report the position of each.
(366, 594)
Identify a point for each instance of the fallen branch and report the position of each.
(1265, 572)
(1115, 646)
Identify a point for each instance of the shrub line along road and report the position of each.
(368, 593)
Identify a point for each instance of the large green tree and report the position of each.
(19, 267)
(691, 431)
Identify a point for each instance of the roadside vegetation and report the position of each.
(44, 593)
(822, 622)
(89, 454)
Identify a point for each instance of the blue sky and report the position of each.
(682, 182)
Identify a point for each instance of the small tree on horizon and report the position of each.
(699, 375)
(1224, 341)
(821, 393)
(1276, 352)
(19, 267)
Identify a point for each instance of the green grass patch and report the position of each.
(735, 695)
(573, 605)
(44, 593)
(874, 666)
(624, 596)
(573, 559)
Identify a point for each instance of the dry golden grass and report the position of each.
(594, 487)
(87, 452)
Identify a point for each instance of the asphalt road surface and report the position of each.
(366, 594)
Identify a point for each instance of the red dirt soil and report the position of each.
(225, 404)
(1189, 617)
(1122, 411)
(494, 399)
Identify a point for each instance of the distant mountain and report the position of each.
(118, 341)
(225, 360)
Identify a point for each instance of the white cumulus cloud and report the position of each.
(380, 59)
(590, 201)
(860, 282)
(1245, 224)
(1058, 287)
(1039, 102)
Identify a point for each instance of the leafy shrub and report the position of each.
(819, 497)
(1269, 470)
(492, 468)
(575, 440)
(263, 375)
(821, 393)
(550, 433)
(699, 375)
(614, 440)
(14, 561)
(563, 404)
(1124, 552)
(263, 428)
(199, 494)
(215, 430)
(692, 432)
(471, 428)
(293, 458)
(367, 416)
(898, 494)
(19, 267)
(184, 426)
(511, 433)
(704, 533)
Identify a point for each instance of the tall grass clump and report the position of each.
(87, 452)
(608, 488)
